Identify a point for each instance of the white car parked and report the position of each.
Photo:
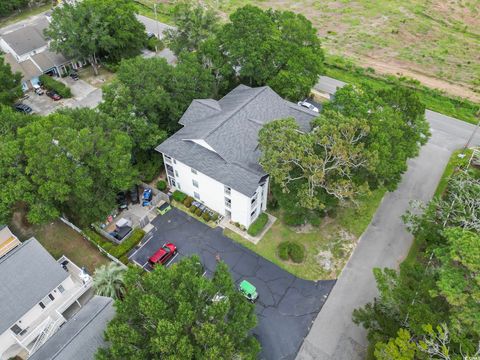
(307, 105)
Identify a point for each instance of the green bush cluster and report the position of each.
(118, 251)
(198, 212)
(154, 41)
(258, 225)
(179, 196)
(188, 201)
(291, 250)
(215, 217)
(161, 185)
(193, 208)
(206, 216)
(56, 86)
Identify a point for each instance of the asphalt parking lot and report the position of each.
(286, 306)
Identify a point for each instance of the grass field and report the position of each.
(436, 41)
(24, 14)
(60, 240)
(332, 242)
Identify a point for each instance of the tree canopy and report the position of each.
(177, 313)
(360, 141)
(8, 7)
(193, 25)
(91, 29)
(276, 48)
(10, 84)
(430, 308)
(72, 162)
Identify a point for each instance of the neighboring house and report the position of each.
(214, 157)
(327, 87)
(37, 295)
(8, 241)
(82, 335)
(26, 50)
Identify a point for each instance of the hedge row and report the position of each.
(258, 225)
(179, 196)
(56, 86)
(118, 251)
(290, 250)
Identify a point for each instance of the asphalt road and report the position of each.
(286, 306)
(385, 243)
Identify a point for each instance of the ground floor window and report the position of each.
(196, 195)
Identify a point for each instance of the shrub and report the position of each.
(215, 217)
(161, 185)
(179, 196)
(291, 250)
(296, 252)
(124, 259)
(198, 212)
(98, 239)
(154, 41)
(120, 250)
(54, 85)
(193, 208)
(206, 216)
(188, 201)
(258, 225)
(283, 250)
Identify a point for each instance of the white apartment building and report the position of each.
(35, 294)
(214, 157)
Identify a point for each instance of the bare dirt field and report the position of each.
(434, 41)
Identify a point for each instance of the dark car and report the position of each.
(122, 200)
(162, 255)
(74, 75)
(134, 194)
(53, 95)
(23, 108)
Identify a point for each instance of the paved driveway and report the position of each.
(286, 306)
(385, 243)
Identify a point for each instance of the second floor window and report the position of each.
(228, 190)
(228, 202)
(195, 183)
(193, 171)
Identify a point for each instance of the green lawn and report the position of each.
(59, 239)
(24, 14)
(336, 236)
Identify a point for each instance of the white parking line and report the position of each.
(170, 261)
(146, 241)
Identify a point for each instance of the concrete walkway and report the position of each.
(385, 243)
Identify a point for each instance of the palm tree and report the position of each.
(108, 280)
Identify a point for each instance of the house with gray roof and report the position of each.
(27, 51)
(82, 335)
(36, 291)
(215, 156)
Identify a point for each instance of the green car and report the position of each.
(164, 208)
(248, 290)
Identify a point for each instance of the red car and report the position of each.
(162, 255)
(53, 95)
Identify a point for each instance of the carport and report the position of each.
(286, 306)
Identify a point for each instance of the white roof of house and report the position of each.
(328, 85)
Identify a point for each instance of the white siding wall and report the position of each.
(7, 339)
(212, 193)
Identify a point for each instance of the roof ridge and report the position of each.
(207, 104)
(262, 89)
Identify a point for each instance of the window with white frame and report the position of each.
(168, 159)
(228, 202)
(196, 195)
(228, 190)
(176, 173)
(195, 183)
(193, 171)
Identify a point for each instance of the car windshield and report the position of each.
(166, 248)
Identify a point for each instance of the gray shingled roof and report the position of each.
(28, 274)
(47, 60)
(25, 39)
(27, 68)
(329, 85)
(82, 335)
(230, 126)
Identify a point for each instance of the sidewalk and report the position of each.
(226, 224)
